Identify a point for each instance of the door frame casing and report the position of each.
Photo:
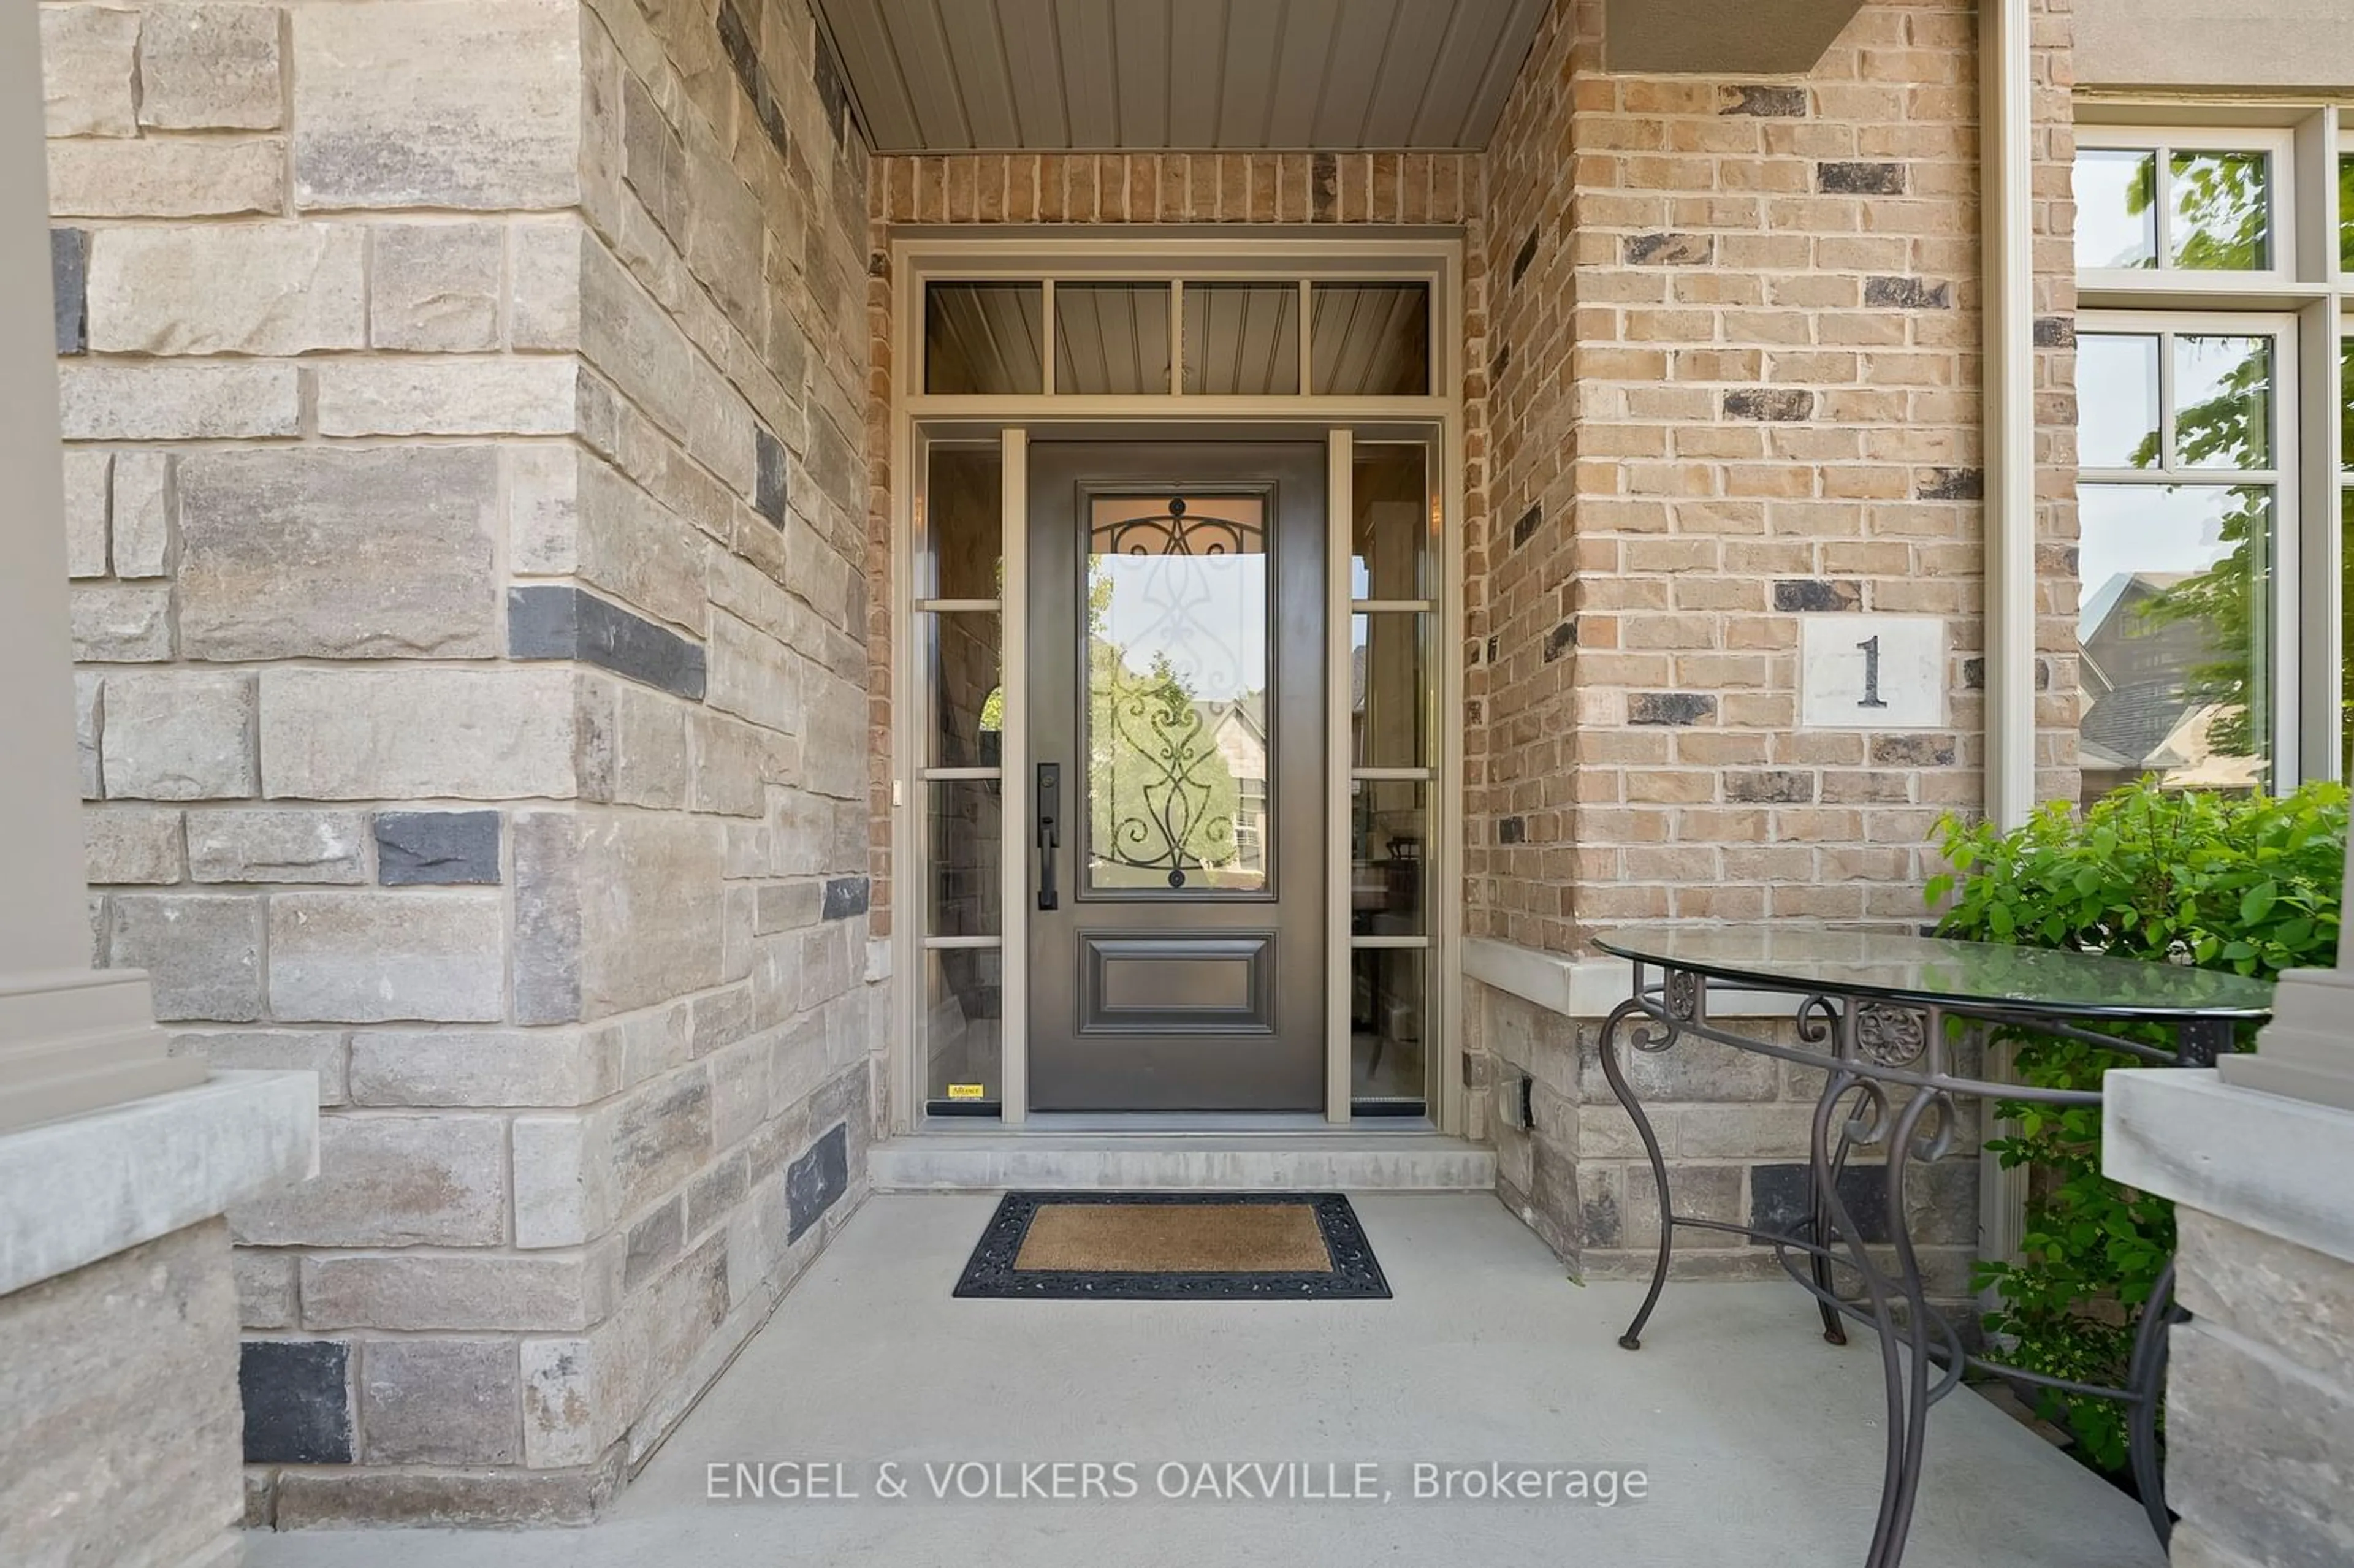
(1189, 252)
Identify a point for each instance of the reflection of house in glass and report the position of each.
(1237, 731)
(2139, 716)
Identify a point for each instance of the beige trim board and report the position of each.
(75, 1040)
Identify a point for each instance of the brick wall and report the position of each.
(464, 411)
(1733, 334)
(1733, 344)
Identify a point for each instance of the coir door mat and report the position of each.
(1160, 1246)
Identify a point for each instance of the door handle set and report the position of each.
(1050, 830)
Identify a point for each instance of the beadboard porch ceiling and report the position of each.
(1141, 75)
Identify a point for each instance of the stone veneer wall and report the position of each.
(462, 400)
(1733, 353)
(123, 1399)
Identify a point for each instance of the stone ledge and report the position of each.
(1591, 988)
(76, 1190)
(2274, 1164)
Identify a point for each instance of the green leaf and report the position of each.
(2257, 902)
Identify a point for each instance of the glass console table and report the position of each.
(1886, 1018)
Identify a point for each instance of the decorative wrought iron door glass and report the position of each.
(1177, 695)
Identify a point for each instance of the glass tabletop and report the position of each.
(1933, 970)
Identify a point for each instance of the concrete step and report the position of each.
(1215, 1161)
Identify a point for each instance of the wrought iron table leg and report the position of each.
(1632, 1340)
(1908, 1437)
(2146, 1379)
(1824, 1234)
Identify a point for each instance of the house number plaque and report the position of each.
(1872, 672)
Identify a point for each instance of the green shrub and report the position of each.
(2244, 883)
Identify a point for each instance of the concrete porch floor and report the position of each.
(1763, 1444)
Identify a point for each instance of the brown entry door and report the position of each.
(1177, 737)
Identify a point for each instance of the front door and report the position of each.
(1177, 701)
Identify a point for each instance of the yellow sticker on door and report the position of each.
(964, 1091)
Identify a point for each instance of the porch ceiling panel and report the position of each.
(940, 75)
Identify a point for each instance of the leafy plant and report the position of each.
(2245, 883)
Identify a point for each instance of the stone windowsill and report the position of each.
(2271, 1163)
(87, 1187)
(1591, 987)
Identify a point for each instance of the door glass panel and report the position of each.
(1242, 339)
(1177, 741)
(968, 849)
(964, 999)
(983, 338)
(2117, 419)
(1388, 831)
(1389, 534)
(1389, 719)
(961, 556)
(2175, 626)
(1386, 991)
(1111, 339)
(1369, 340)
(2222, 211)
(2117, 208)
(2224, 401)
(968, 694)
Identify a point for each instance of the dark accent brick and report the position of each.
(555, 621)
(1803, 596)
(845, 897)
(1528, 254)
(1669, 707)
(1767, 102)
(744, 60)
(1777, 403)
(1511, 830)
(1526, 528)
(1324, 187)
(1860, 179)
(768, 485)
(437, 848)
(1908, 294)
(1493, 646)
(1953, 484)
(1974, 675)
(2055, 332)
(1559, 641)
(1782, 1200)
(816, 1180)
(1668, 249)
(1913, 750)
(1498, 366)
(298, 1401)
(70, 281)
(1773, 786)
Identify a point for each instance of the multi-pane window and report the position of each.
(1186, 337)
(2208, 558)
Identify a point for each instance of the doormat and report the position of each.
(1176, 1246)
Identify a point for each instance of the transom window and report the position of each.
(2212, 483)
(1178, 337)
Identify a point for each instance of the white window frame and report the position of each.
(2285, 653)
(2305, 288)
(920, 256)
(2165, 141)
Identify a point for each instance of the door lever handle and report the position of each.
(1050, 830)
